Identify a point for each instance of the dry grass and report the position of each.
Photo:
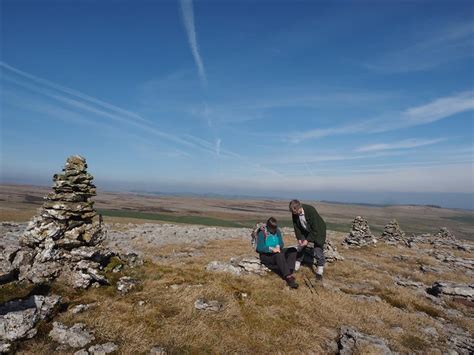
(271, 317)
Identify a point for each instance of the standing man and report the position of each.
(310, 228)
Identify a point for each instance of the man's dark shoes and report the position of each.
(291, 282)
(319, 277)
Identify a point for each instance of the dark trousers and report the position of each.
(283, 262)
(316, 253)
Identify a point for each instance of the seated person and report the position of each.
(272, 255)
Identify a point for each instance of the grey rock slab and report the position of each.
(126, 284)
(353, 341)
(18, 318)
(208, 305)
(102, 349)
(452, 289)
(76, 336)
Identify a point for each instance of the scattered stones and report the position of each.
(76, 336)
(455, 261)
(18, 318)
(360, 234)
(219, 266)
(450, 289)
(204, 305)
(4, 347)
(459, 340)
(351, 341)
(393, 234)
(126, 284)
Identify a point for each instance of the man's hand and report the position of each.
(302, 243)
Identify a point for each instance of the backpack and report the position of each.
(259, 227)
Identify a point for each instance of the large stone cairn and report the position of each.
(62, 240)
(392, 233)
(360, 234)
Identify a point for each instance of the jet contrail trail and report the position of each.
(188, 20)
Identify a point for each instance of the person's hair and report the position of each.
(294, 203)
(272, 222)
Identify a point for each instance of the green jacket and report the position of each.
(316, 226)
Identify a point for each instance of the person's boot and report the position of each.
(291, 282)
(319, 273)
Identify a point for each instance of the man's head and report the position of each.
(272, 224)
(295, 206)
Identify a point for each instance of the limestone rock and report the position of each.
(360, 234)
(351, 341)
(393, 234)
(76, 336)
(239, 266)
(330, 252)
(208, 305)
(126, 284)
(18, 318)
(102, 349)
(158, 350)
(452, 290)
(61, 241)
(4, 347)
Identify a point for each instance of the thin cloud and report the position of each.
(405, 144)
(188, 20)
(436, 110)
(435, 48)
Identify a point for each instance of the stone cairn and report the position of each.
(392, 233)
(63, 240)
(360, 234)
(442, 239)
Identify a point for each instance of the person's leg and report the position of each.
(290, 256)
(320, 261)
(280, 260)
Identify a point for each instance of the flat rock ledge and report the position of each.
(449, 289)
(239, 266)
(351, 341)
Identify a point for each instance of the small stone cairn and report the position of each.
(63, 240)
(392, 233)
(360, 234)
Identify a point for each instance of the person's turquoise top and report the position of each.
(271, 241)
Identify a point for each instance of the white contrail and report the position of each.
(188, 20)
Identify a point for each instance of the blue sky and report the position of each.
(346, 100)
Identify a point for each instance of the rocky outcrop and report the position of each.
(360, 234)
(351, 341)
(62, 240)
(18, 318)
(330, 252)
(76, 336)
(451, 289)
(393, 234)
(239, 266)
(125, 284)
(442, 239)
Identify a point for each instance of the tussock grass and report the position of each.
(270, 319)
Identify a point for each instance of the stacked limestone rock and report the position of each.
(62, 240)
(330, 252)
(360, 234)
(444, 238)
(392, 233)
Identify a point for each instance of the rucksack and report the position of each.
(259, 227)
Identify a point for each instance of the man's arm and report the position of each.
(298, 233)
(317, 226)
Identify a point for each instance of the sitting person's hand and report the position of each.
(276, 249)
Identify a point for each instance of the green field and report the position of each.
(206, 221)
(463, 219)
(209, 221)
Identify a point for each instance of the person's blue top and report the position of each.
(272, 240)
